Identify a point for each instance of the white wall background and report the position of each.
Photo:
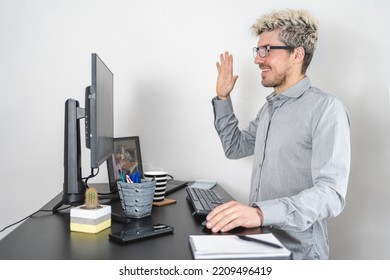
(163, 55)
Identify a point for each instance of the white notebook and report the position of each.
(231, 247)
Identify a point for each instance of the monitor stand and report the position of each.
(69, 199)
(74, 187)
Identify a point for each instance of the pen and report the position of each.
(136, 177)
(133, 178)
(121, 175)
(247, 238)
(128, 179)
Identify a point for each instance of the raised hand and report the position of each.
(225, 79)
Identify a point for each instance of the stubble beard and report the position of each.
(278, 81)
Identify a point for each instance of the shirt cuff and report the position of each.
(274, 213)
(222, 107)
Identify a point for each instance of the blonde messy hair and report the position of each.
(297, 29)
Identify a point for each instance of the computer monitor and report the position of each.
(99, 132)
(99, 120)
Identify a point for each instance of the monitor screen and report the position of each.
(99, 117)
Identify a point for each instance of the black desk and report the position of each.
(47, 236)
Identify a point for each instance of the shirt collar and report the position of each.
(293, 92)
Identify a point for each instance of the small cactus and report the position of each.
(91, 199)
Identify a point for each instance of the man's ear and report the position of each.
(299, 54)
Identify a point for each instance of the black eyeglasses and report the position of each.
(263, 51)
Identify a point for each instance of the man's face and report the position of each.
(276, 67)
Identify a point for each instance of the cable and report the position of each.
(29, 216)
(91, 176)
(109, 195)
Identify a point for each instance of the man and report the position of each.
(300, 140)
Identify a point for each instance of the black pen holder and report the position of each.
(137, 198)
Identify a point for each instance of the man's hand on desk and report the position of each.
(233, 214)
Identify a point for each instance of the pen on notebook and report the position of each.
(247, 238)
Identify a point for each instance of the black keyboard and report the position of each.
(204, 200)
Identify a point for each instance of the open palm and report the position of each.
(225, 79)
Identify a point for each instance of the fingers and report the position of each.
(220, 209)
(222, 217)
(225, 79)
(231, 215)
(226, 61)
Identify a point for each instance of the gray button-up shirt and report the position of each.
(300, 140)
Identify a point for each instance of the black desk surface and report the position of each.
(48, 236)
